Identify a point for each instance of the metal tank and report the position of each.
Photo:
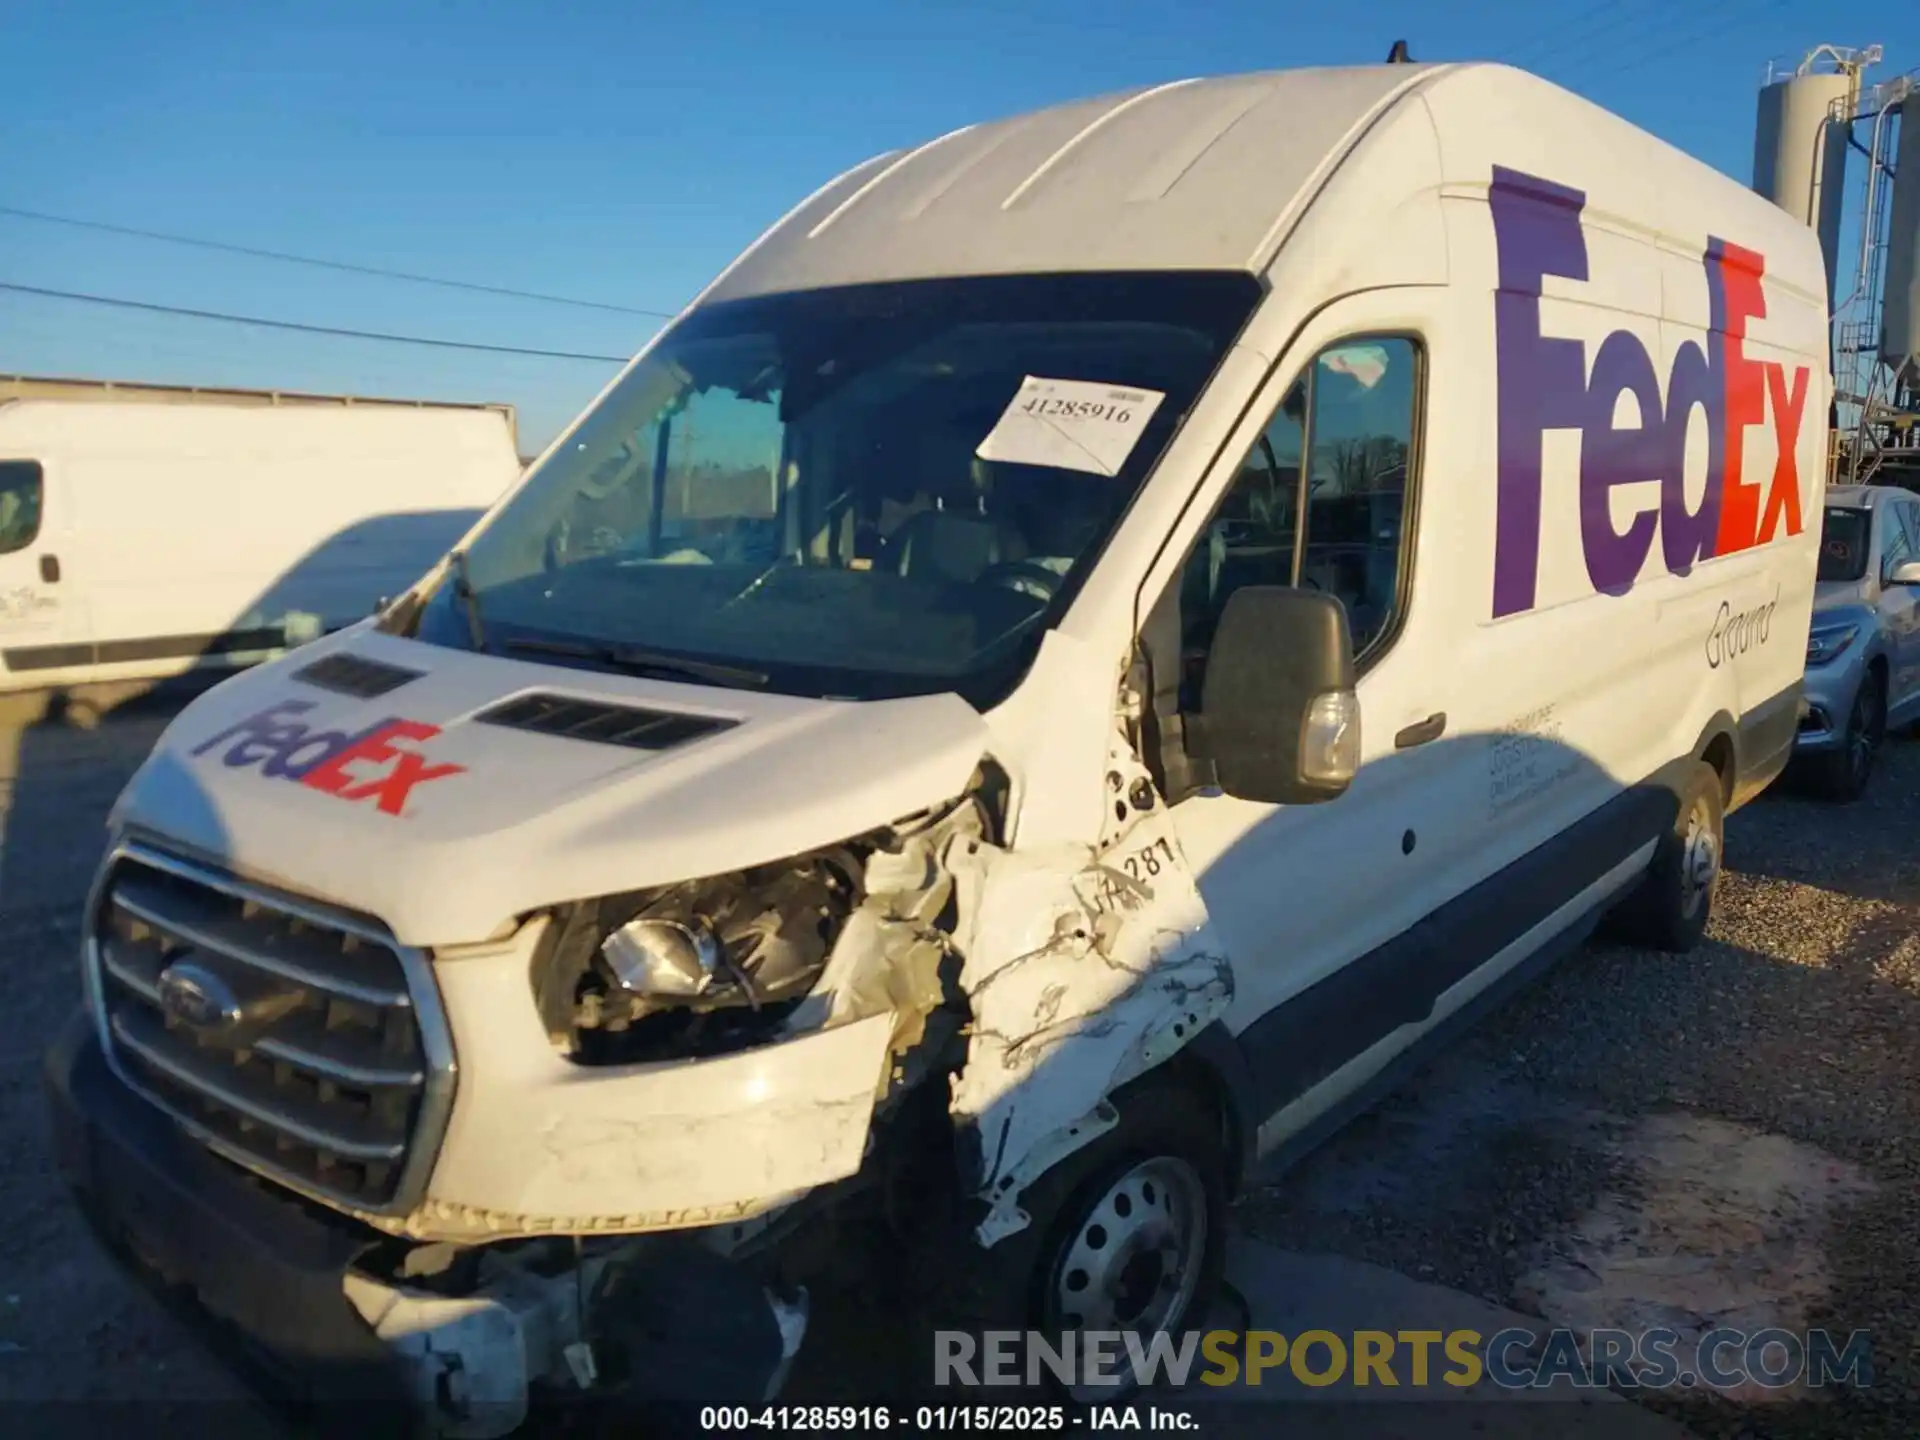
(1900, 311)
(1799, 159)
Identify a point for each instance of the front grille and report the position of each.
(321, 1060)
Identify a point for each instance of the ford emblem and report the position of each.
(194, 995)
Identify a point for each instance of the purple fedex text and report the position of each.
(367, 764)
(1544, 384)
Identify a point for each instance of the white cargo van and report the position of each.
(1088, 646)
(147, 531)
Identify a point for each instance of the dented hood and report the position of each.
(409, 806)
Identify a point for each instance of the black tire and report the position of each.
(1841, 775)
(1166, 1127)
(1671, 906)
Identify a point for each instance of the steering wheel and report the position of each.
(1026, 576)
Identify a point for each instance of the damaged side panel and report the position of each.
(1085, 967)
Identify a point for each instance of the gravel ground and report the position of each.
(1791, 1042)
(1777, 1064)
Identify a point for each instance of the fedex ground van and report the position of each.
(1089, 649)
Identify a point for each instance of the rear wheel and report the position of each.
(1842, 774)
(1670, 908)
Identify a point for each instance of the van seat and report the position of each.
(953, 546)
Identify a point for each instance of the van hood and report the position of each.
(472, 789)
(1834, 595)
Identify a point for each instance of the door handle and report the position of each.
(50, 569)
(1421, 731)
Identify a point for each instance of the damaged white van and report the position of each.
(1084, 649)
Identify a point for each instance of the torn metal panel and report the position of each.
(1086, 966)
(1006, 1217)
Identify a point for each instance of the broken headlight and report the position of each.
(694, 969)
(664, 959)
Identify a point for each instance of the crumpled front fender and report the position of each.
(1086, 966)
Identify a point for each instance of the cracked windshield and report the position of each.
(881, 491)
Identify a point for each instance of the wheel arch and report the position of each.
(1213, 1066)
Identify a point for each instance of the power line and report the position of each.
(1580, 26)
(343, 266)
(302, 328)
(1604, 21)
(1717, 24)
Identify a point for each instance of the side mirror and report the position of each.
(1278, 713)
(1907, 573)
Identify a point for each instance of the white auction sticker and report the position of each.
(1071, 425)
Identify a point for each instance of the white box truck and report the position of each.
(1090, 648)
(147, 530)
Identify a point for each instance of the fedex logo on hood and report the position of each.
(352, 765)
(1544, 384)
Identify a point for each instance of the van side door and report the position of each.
(43, 617)
(1326, 484)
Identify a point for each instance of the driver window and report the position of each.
(1320, 500)
(20, 487)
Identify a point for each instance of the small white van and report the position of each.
(1088, 649)
(146, 532)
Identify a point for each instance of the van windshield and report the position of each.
(1844, 538)
(861, 492)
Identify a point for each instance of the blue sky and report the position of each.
(625, 152)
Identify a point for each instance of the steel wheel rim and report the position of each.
(1132, 1262)
(1699, 859)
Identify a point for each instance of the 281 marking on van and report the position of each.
(1125, 881)
(1147, 862)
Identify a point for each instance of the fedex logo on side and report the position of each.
(347, 764)
(1544, 384)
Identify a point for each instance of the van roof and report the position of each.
(1195, 174)
(1203, 174)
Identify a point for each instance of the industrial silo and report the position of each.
(1799, 158)
(1900, 312)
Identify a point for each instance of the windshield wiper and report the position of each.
(636, 661)
(469, 601)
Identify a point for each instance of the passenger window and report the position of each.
(695, 482)
(21, 488)
(1910, 517)
(1347, 425)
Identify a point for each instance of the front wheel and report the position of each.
(1126, 1235)
(1843, 773)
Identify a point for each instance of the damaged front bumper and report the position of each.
(283, 1291)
